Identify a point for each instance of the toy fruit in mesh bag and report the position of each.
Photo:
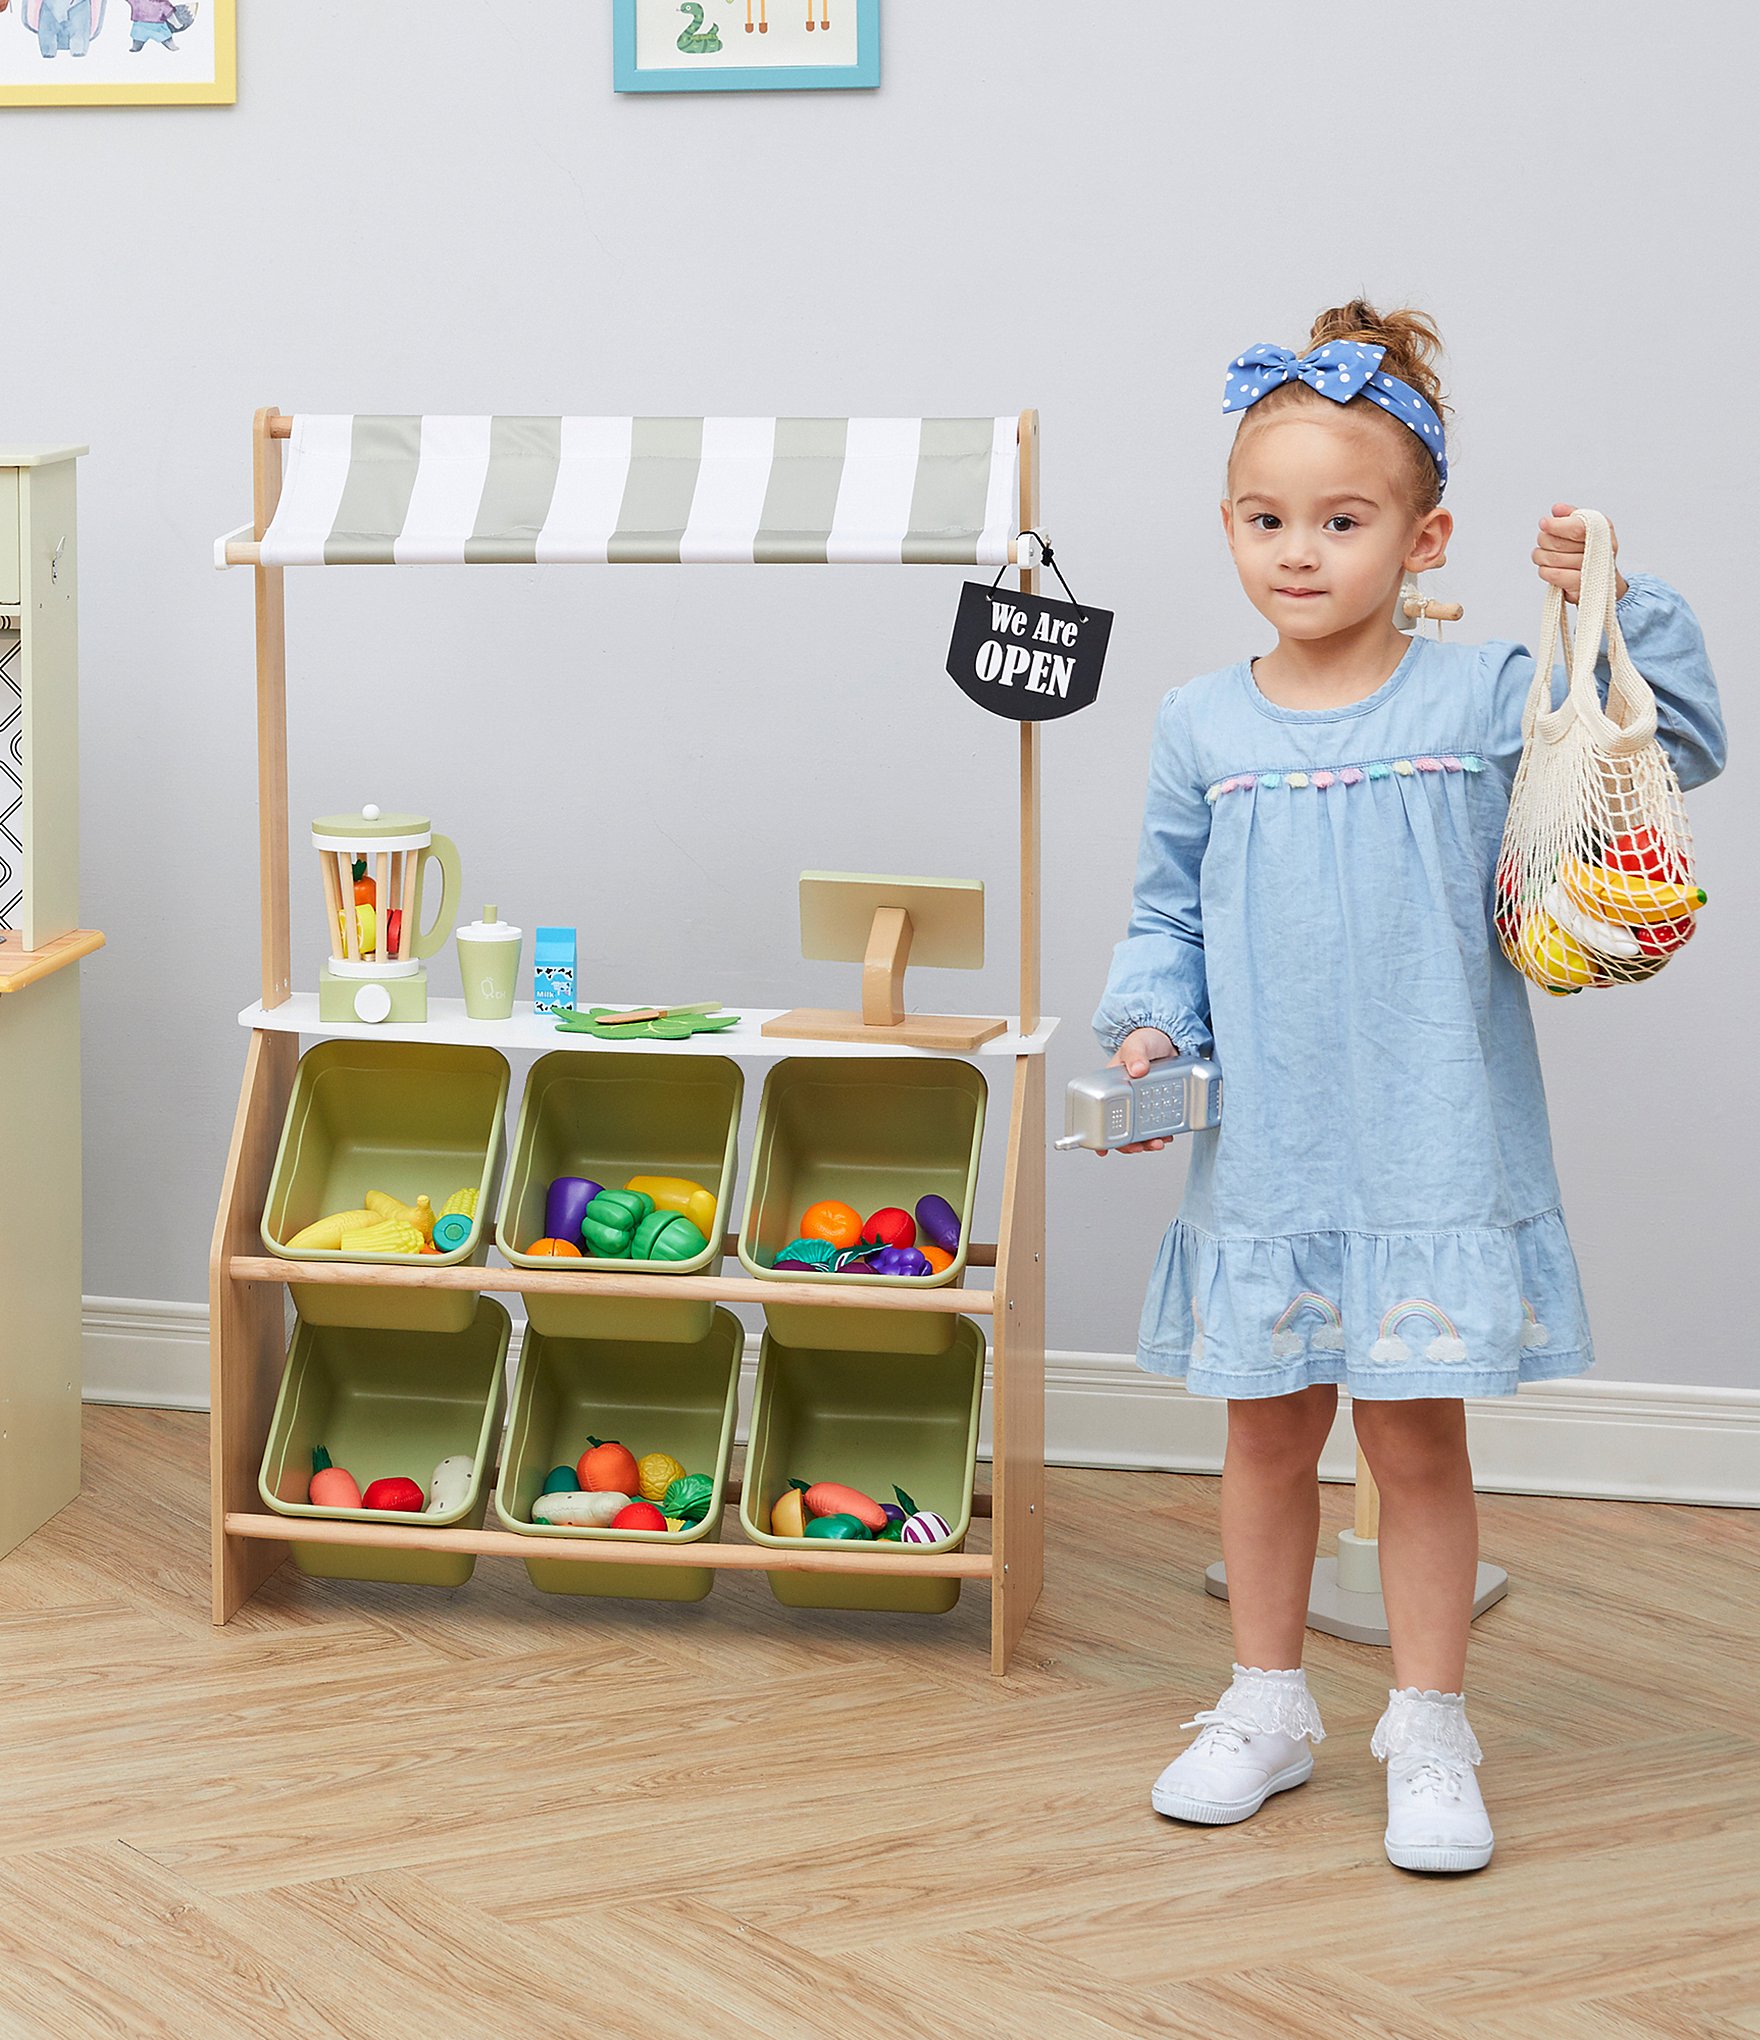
(1595, 882)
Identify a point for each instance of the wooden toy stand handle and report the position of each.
(889, 950)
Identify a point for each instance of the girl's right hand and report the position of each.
(1141, 1047)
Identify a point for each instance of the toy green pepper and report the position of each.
(666, 1236)
(609, 1227)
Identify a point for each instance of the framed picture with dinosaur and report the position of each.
(746, 45)
(118, 52)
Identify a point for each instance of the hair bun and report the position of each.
(1410, 337)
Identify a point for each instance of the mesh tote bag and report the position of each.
(1595, 882)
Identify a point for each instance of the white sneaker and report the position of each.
(1252, 1743)
(1436, 1818)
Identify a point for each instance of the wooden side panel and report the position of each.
(39, 1254)
(271, 723)
(1018, 1400)
(247, 1336)
(48, 669)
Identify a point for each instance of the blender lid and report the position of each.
(370, 824)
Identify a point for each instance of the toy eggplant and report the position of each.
(578, 1510)
(666, 1236)
(678, 1193)
(565, 1205)
(938, 1222)
(609, 1227)
(449, 1486)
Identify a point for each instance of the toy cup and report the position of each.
(374, 867)
(488, 962)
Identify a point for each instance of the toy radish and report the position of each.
(925, 1527)
(579, 1511)
(607, 1466)
(331, 1487)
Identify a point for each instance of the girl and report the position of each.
(1378, 1208)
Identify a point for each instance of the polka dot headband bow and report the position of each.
(1341, 370)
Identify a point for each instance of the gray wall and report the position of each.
(465, 218)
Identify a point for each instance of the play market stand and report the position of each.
(341, 491)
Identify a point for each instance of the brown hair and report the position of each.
(1413, 347)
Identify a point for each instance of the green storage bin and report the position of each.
(873, 1420)
(405, 1117)
(677, 1396)
(609, 1117)
(383, 1403)
(869, 1131)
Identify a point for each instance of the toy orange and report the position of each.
(555, 1249)
(938, 1258)
(838, 1224)
(608, 1468)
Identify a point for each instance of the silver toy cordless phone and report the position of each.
(1181, 1094)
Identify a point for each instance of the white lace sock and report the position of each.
(1427, 1724)
(1265, 1703)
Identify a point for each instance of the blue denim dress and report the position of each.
(1313, 901)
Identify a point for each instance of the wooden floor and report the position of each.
(372, 1811)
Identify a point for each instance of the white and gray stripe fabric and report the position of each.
(422, 491)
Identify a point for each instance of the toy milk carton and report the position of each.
(553, 971)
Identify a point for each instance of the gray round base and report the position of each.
(1360, 1618)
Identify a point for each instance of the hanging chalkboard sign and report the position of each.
(1028, 657)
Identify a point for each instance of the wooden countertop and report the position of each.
(20, 966)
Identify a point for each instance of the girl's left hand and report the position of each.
(1558, 552)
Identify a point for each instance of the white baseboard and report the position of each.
(1612, 1440)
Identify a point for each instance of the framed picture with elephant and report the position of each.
(746, 45)
(118, 52)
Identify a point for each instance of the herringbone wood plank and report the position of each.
(362, 1809)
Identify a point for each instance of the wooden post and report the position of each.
(277, 980)
(1017, 1407)
(1029, 789)
(883, 964)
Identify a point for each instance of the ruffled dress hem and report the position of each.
(1391, 1316)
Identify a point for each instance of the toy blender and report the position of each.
(374, 867)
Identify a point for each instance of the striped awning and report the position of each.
(418, 491)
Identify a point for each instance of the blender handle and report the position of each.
(444, 852)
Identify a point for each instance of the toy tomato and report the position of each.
(639, 1516)
(394, 1492)
(1643, 851)
(394, 931)
(840, 1224)
(1662, 938)
(891, 1227)
(606, 1466)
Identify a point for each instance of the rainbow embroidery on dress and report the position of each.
(1346, 775)
(1326, 1337)
(1391, 1350)
(1534, 1333)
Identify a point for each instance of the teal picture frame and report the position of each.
(862, 75)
